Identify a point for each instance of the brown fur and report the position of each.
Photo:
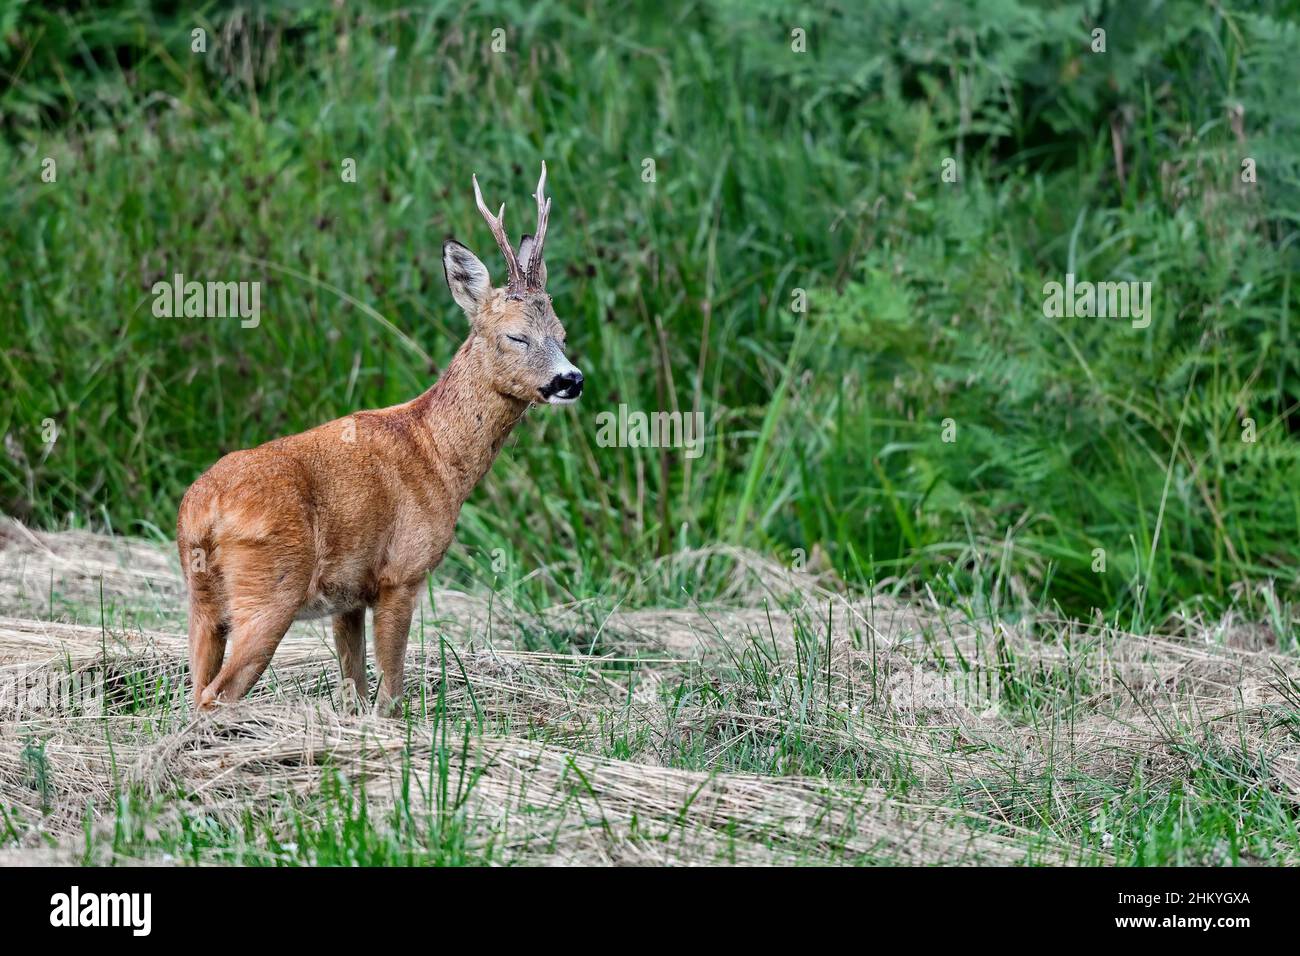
(354, 513)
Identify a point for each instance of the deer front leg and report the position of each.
(392, 624)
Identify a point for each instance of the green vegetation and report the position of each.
(774, 171)
(801, 729)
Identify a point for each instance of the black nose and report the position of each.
(568, 385)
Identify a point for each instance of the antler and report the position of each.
(515, 282)
(533, 265)
(524, 276)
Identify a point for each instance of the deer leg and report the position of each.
(266, 590)
(208, 626)
(253, 642)
(392, 619)
(350, 641)
(207, 643)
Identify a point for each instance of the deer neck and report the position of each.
(467, 419)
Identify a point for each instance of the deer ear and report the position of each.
(467, 277)
(526, 258)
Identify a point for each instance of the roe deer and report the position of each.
(354, 513)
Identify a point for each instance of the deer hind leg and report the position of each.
(207, 640)
(392, 619)
(207, 619)
(254, 638)
(266, 589)
(350, 641)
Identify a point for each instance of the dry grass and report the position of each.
(815, 729)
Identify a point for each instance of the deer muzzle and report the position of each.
(566, 383)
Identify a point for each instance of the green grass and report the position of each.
(775, 172)
(1079, 746)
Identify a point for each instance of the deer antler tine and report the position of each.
(543, 220)
(478, 198)
(533, 266)
(515, 280)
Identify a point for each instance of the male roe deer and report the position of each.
(354, 513)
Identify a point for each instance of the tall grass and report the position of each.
(775, 171)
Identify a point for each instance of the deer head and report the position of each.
(521, 341)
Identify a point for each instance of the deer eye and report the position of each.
(519, 339)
